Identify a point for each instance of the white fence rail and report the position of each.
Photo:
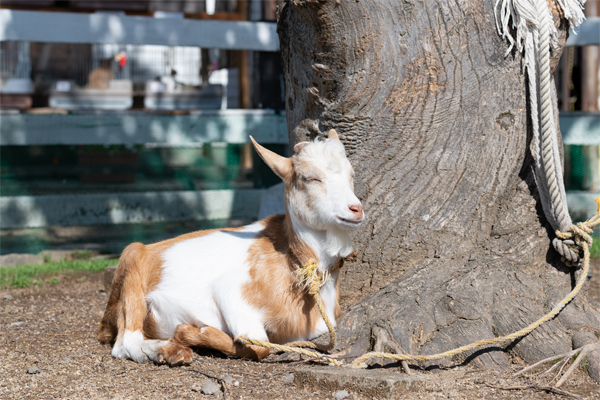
(139, 127)
(588, 33)
(580, 128)
(127, 208)
(60, 27)
(197, 128)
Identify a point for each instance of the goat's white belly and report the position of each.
(201, 284)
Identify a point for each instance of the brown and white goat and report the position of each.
(207, 288)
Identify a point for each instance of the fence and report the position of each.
(149, 133)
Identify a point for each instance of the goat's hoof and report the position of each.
(105, 335)
(175, 355)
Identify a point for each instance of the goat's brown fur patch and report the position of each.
(290, 312)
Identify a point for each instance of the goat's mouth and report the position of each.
(351, 221)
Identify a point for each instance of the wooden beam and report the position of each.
(219, 16)
(244, 68)
(589, 66)
(243, 62)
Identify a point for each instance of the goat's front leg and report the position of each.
(213, 338)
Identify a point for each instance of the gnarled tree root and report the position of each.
(577, 355)
(383, 342)
(537, 387)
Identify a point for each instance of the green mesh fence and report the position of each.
(64, 170)
(50, 170)
(582, 170)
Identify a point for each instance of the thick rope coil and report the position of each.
(535, 35)
(568, 249)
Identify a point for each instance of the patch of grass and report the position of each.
(54, 280)
(584, 366)
(28, 275)
(83, 254)
(595, 249)
(557, 361)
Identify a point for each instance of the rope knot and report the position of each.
(311, 278)
(571, 244)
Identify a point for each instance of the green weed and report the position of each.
(557, 360)
(83, 254)
(30, 275)
(584, 366)
(595, 249)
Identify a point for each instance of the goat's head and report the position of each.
(319, 188)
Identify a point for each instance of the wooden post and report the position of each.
(204, 64)
(565, 80)
(243, 63)
(589, 68)
(589, 99)
(269, 12)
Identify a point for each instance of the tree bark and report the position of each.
(434, 118)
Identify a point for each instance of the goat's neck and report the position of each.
(328, 246)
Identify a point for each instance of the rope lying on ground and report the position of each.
(578, 233)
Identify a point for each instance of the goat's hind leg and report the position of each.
(213, 338)
(133, 318)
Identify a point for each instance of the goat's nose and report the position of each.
(357, 210)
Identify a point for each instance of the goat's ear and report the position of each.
(299, 146)
(282, 166)
(333, 135)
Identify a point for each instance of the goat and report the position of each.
(206, 288)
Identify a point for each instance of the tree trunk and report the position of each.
(434, 118)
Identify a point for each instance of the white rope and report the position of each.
(535, 36)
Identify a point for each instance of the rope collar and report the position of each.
(312, 278)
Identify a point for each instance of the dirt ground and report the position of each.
(53, 328)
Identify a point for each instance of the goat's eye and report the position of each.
(312, 179)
